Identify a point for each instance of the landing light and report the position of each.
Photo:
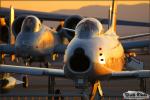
(101, 59)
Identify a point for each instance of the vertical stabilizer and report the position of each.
(113, 15)
(109, 17)
(11, 35)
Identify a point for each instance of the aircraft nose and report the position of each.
(79, 61)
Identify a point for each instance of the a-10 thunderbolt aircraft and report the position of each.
(34, 42)
(92, 56)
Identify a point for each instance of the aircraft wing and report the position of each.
(31, 70)
(61, 17)
(60, 72)
(136, 44)
(130, 74)
(7, 48)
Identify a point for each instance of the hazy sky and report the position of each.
(50, 6)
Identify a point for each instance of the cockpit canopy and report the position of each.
(31, 24)
(88, 27)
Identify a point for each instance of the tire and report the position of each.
(26, 82)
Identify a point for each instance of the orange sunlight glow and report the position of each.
(50, 6)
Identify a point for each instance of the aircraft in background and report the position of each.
(92, 56)
(34, 41)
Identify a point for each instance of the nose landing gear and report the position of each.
(97, 92)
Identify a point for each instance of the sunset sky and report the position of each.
(49, 6)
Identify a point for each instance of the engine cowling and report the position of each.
(16, 27)
(70, 23)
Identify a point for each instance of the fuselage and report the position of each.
(93, 56)
(36, 43)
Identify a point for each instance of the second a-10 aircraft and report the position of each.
(91, 56)
(34, 42)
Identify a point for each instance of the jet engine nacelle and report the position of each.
(7, 84)
(70, 23)
(4, 34)
(17, 24)
(16, 27)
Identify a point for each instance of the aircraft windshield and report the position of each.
(31, 24)
(88, 27)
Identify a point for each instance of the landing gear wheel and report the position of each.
(25, 82)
